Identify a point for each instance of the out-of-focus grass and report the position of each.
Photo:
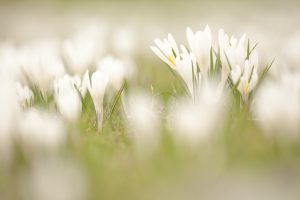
(115, 170)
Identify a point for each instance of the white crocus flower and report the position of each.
(200, 44)
(186, 67)
(232, 53)
(67, 99)
(115, 69)
(235, 64)
(25, 95)
(235, 73)
(247, 76)
(193, 66)
(167, 50)
(246, 84)
(97, 86)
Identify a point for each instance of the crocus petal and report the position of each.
(161, 56)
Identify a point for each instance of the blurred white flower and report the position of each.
(125, 41)
(10, 112)
(192, 121)
(291, 52)
(167, 50)
(67, 99)
(130, 69)
(41, 130)
(78, 55)
(115, 69)
(80, 51)
(142, 111)
(277, 106)
(97, 86)
(200, 44)
(49, 179)
(42, 65)
(25, 95)
(10, 62)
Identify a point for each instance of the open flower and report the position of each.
(67, 99)
(97, 86)
(191, 65)
(167, 50)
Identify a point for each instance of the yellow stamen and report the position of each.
(171, 60)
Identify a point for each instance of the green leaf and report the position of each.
(228, 61)
(248, 50)
(264, 73)
(116, 100)
(253, 48)
(211, 61)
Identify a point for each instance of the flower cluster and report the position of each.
(233, 61)
(44, 89)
